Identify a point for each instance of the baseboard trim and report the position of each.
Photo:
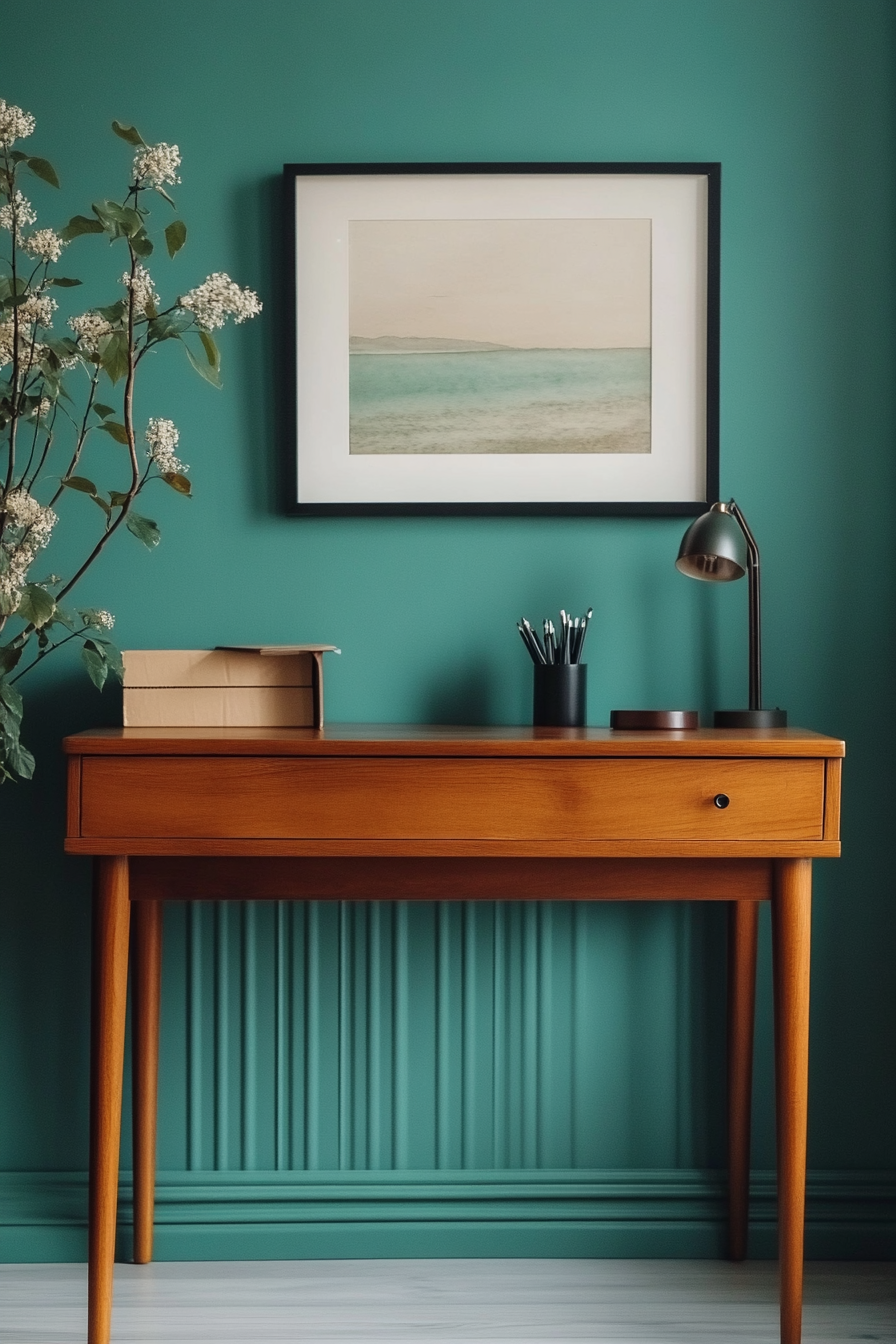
(321, 1215)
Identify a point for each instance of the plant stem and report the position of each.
(75, 634)
(82, 434)
(11, 178)
(132, 445)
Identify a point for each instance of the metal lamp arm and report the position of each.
(753, 598)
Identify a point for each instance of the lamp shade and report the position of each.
(713, 548)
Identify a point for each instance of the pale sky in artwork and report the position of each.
(529, 283)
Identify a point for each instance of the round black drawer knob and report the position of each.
(721, 800)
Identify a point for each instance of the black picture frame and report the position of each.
(298, 501)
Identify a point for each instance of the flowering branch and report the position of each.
(107, 342)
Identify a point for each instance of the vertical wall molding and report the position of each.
(223, 914)
(283, 1045)
(463, 1035)
(195, 992)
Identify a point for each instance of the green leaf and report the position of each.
(11, 698)
(144, 529)
(65, 347)
(114, 312)
(64, 282)
(19, 758)
(114, 355)
(112, 656)
(102, 409)
(118, 219)
(36, 606)
(118, 497)
(95, 662)
(177, 482)
(206, 371)
(175, 236)
(168, 325)
(61, 617)
(9, 656)
(117, 431)
(98, 499)
(163, 192)
(44, 170)
(80, 483)
(129, 133)
(212, 353)
(141, 243)
(79, 224)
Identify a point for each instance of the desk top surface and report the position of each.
(380, 739)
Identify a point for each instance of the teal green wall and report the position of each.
(481, 1048)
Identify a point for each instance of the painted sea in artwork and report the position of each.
(439, 396)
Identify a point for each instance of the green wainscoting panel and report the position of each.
(498, 1047)
(463, 1036)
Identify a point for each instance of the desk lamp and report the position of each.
(720, 547)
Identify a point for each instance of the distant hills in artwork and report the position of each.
(418, 345)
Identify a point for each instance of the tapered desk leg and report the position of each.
(791, 919)
(146, 987)
(743, 929)
(111, 917)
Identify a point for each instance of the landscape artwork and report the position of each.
(499, 336)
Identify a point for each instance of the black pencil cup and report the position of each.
(560, 695)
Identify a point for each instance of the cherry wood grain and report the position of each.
(791, 930)
(743, 929)
(241, 879)
(111, 917)
(495, 849)
(146, 995)
(407, 799)
(833, 770)
(360, 739)
(73, 796)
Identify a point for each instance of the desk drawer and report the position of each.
(363, 798)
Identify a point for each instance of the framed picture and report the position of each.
(504, 338)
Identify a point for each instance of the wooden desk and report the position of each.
(380, 813)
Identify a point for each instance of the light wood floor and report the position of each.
(635, 1301)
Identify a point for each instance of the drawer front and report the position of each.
(361, 798)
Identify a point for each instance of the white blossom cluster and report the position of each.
(38, 310)
(18, 213)
(30, 351)
(29, 526)
(89, 328)
(157, 164)
(141, 287)
(97, 618)
(44, 244)
(217, 298)
(162, 437)
(7, 343)
(23, 510)
(14, 123)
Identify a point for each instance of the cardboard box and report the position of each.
(245, 686)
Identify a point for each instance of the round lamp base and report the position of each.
(750, 718)
(647, 720)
